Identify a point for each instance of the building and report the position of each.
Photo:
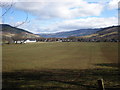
(30, 41)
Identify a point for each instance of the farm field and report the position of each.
(60, 66)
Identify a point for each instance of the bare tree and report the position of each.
(18, 38)
(72, 38)
(25, 21)
(8, 9)
(8, 6)
(7, 40)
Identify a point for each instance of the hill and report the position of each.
(9, 31)
(109, 33)
(76, 33)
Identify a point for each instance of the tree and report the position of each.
(7, 40)
(6, 9)
(72, 38)
(7, 6)
(19, 38)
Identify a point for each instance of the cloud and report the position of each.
(73, 15)
(85, 23)
(73, 24)
(60, 8)
(113, 4)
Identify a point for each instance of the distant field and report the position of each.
(73, 55)
(70, 55)
(60, 66)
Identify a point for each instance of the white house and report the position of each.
(30, 41)
(19, 41)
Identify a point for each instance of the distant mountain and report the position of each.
(108, 33)
(9, 31)
(76, 33)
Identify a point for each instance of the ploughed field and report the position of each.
(60, 65)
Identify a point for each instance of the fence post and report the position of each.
(100, 84)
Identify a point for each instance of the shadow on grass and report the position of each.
(62, 79)
(108, 64)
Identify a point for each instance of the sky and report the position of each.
(51, 16)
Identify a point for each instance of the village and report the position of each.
(69, 39)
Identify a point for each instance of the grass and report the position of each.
(60, 66)
(61, 79)
(58, 55)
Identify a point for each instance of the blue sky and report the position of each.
(50, 16)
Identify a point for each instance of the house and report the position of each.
(19, 41)
(30, 41)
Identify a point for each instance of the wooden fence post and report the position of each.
(100, 84)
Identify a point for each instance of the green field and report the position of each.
(58, 55)
(60, 66)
